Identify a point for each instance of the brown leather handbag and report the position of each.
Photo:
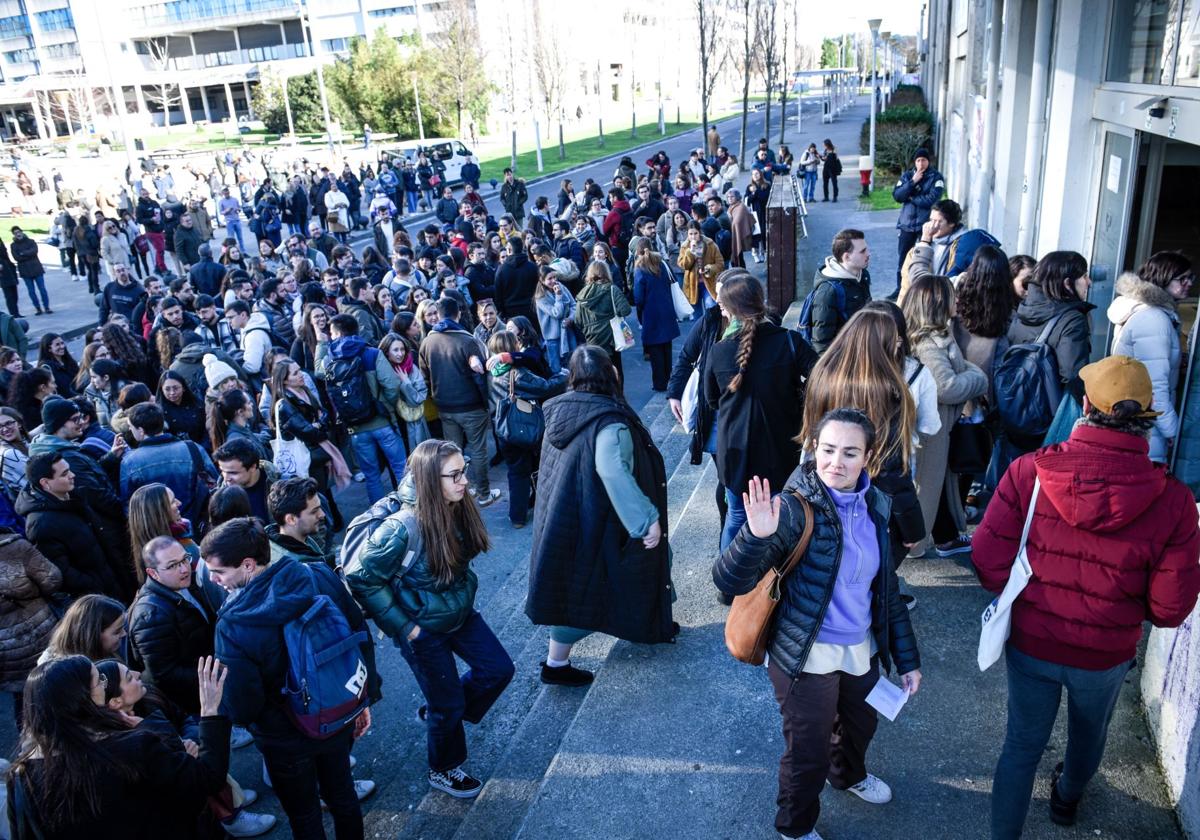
(749, 622)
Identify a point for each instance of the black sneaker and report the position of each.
(959, 545)
(567, 675)
(1062, 812)
(456, 783)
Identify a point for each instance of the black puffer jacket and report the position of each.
(702, 336)
(168, 634)
(65, 532)
(809, 588)
(1070, 339)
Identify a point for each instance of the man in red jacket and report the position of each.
(1114, 541)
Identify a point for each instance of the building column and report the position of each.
(141, 100)
(40, 119)
(187, 105)
(249, 101)
(229, 103)
(204, 102)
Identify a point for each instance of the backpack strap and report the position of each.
(916, 373)
(1045, 333)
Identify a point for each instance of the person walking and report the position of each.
(652, 282)
(600, 301)
(917, 191)
(413, 577)
(741, 229)
(928, 306)
(249, 640)
(831, 170)
(513, 195)
(753, 380)
(701, 262)
(600, 560)
(1145, 320)
(30, 269)
(839, 619)
(1113, 541)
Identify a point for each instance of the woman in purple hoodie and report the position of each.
(839, 619)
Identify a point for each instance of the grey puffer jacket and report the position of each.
(1146, 327)
(808, 589)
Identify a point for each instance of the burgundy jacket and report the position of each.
(1114, 542)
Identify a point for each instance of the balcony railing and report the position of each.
(193, 11)
(224, 58)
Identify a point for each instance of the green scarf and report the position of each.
(734, 328)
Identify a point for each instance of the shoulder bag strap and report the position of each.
(1037, 486)
(805, 538)
(916, 373)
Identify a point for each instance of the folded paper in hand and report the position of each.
(887, 698)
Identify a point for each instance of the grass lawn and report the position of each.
(880, 199)
(580, 151)
(34, 225)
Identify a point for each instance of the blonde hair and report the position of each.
(597, 272)
(927, 303)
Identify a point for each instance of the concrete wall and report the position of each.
(1171, 694)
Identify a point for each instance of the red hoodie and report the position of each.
(612, 222)
(1114, 542)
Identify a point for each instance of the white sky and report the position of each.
(819, 20)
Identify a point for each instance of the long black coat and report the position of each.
(585, 570)
(756, 423)
(168, 635)
(699, 340)
(808, 589)
(516, 281)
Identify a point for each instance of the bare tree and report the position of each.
(713, 55)
(550, 69)
(768, 49)
(162, 93)
(785, 73)
(75, 102)
(747, 37)
(463, 76)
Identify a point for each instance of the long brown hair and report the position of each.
(742, 298)
(453, 533)
(149, 517)
(927, 304)
(78, 632)
(864, 368)
(647, 257)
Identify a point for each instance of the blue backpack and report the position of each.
(839, 294)
(326, 685)
(1025, 381)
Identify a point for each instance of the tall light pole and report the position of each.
(306, 33)
(874, 24)
(884, 39)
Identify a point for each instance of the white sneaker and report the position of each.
(362, 789)
(246, 824)
(872, 789)
(353, 761)
(360, 476)
(812, 835)
(240, 737)
(249, 797)
(491, 496)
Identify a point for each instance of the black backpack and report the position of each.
(833, 163)
(349, 391)
(1026, 384)
(625, 234)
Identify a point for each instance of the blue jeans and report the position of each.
(1034, 690)
(810, 185)
(553, 355)
(411, 197)
(452, 699)
(367, 446)
(233, 230)
(35, 285)
(734, 519)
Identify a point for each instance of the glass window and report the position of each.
(55, 19)
(1187, 69)
(1142, 44)
(442, 151)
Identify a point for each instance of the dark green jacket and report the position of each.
(397, 591)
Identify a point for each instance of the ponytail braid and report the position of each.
(745, 345)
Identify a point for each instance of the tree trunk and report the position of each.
(745, 87)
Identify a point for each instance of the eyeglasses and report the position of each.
(103, 679)
(177, 565)
(458, 476)
(8, 424)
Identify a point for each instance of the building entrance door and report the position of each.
(1117, 177)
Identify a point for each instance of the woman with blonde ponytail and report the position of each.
(754, 379)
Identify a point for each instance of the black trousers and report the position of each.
(827, 727)
(660, 365)
(905, 241)
(10, 300)
(826, 180)
(302, 778)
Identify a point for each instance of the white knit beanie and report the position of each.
(216, 371)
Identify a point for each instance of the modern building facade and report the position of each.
(1075, 125)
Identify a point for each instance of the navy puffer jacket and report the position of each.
(809, 587)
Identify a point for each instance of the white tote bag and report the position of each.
(683, 309)
(690, 404)
(997, 618)
(621, 331)
(292, 457)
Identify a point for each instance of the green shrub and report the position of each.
(899, 132)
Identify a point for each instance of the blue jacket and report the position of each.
(249, 640)
(918, 198)
(206, 276)
(655, 308)
(769, 169)
(167, 459)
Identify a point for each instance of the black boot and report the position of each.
(567, 675)
(1062, 812)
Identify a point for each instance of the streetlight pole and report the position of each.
(874, 24)
(417, 101)
(884, 38)
(306, 33)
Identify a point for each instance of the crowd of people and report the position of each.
(184, 580)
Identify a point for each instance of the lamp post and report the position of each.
(874, 24)
(887, 52)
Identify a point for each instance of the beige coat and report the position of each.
(710, 264)
(958, 381)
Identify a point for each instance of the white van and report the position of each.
(449, 150)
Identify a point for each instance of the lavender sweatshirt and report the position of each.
(848, 619)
